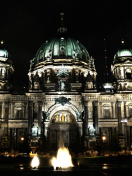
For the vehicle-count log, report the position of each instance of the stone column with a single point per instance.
(73, 77)
(124, 73)
(26, 113)
(48, 76)
(128, 137)
(15, 138)
(77, 75)
(94, 78)
(125, 110)
(95, 117)
(12, 111)
(30, 117)
(90, 110)
(43, 128)
(40, 119)
(114, 110)
(9, 111)
(119, 119)
(85, 124)
(118, 71)
(3, 110)
(6, 118)
(10, 134)
(80, 128)
(103, 112)
(51, 76)
(111, 107)
(99, 109)
(44, 118)
(46, 128)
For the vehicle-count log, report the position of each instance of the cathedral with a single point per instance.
(63, 98)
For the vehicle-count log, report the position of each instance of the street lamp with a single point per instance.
(125, 122)
(104, 139)
(22, 138)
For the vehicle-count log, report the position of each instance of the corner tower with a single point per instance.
(122, 70)
(6, 70)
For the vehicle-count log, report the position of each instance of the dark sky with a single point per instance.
(26, 25)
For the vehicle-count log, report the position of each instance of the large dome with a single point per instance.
(62, 64)
(63, 47)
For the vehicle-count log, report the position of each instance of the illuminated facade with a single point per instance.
(63, 97)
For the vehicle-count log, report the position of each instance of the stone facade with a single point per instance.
(63, 97)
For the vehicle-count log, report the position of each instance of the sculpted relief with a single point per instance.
(63, 117)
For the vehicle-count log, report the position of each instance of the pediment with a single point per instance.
(128, 61)
(19, 106)
(130, 120)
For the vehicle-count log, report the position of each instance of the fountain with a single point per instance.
(63, 159)
(35, 162)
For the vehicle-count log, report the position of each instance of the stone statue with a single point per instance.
(62, 100)
(49, 55)
(91, 130)
(62, 85)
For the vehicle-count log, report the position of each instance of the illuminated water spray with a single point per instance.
(35, 162)
(63, 159)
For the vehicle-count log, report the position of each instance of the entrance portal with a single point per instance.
(63, 121)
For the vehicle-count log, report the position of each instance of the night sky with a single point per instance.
(26, 25)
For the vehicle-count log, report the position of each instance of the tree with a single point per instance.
(98, 147)
(24, 146)
(4, 143)
(115, 144)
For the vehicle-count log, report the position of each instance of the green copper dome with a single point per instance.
(4, 55)
(61, 47)
(123, 53)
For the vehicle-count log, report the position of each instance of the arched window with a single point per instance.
(41, 55)
(107, 113)
(128, 74)
(19, 114)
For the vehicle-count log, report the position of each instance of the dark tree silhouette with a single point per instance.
(115, 144)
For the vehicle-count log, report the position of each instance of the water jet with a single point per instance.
(63, 160)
